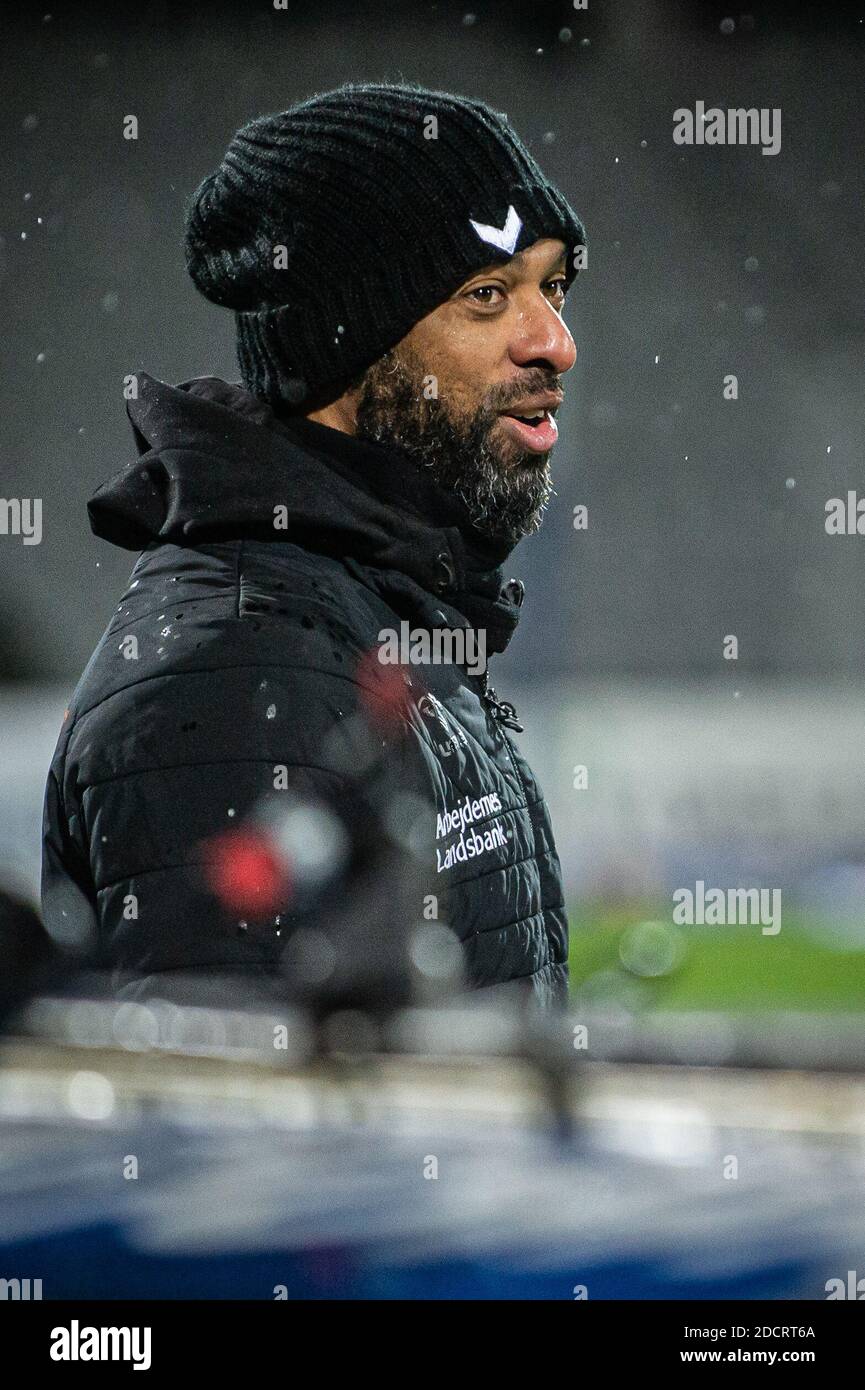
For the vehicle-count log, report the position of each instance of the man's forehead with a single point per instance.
(547, 253)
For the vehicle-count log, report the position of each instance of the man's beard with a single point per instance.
(504, 489)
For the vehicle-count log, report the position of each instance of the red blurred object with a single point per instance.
(385, 692)
(246, 873)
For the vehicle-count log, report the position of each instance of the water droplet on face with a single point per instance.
(231, 810)
(271, 711)
(791, 482)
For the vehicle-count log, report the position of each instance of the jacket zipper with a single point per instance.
(505, 713)
(503, 710)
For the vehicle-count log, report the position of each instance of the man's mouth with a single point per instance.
(536, 430)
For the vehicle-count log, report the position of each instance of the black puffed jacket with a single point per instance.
(250, 643)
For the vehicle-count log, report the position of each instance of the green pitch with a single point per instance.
(633, 953)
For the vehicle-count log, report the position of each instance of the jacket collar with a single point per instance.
(214, 461)
(452, 560)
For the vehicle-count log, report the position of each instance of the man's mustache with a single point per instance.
(528, 386)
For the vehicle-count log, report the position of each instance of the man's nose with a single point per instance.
(541, 336)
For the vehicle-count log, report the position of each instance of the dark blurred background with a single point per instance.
(712, 259)
(706, 516)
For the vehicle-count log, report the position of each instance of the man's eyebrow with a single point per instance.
(560, 259)
(518, 261)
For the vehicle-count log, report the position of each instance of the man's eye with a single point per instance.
(480, 290)
(483, 294)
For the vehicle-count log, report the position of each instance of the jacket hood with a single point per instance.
(214, 462)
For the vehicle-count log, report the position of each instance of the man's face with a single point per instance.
(450, 392)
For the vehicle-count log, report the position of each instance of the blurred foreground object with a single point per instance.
(30, 961)
(163, 1151)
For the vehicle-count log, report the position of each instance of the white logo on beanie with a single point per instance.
(504, 237)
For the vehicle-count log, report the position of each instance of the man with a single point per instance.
(397, 263)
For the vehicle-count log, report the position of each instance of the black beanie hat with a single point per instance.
(332, 228)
